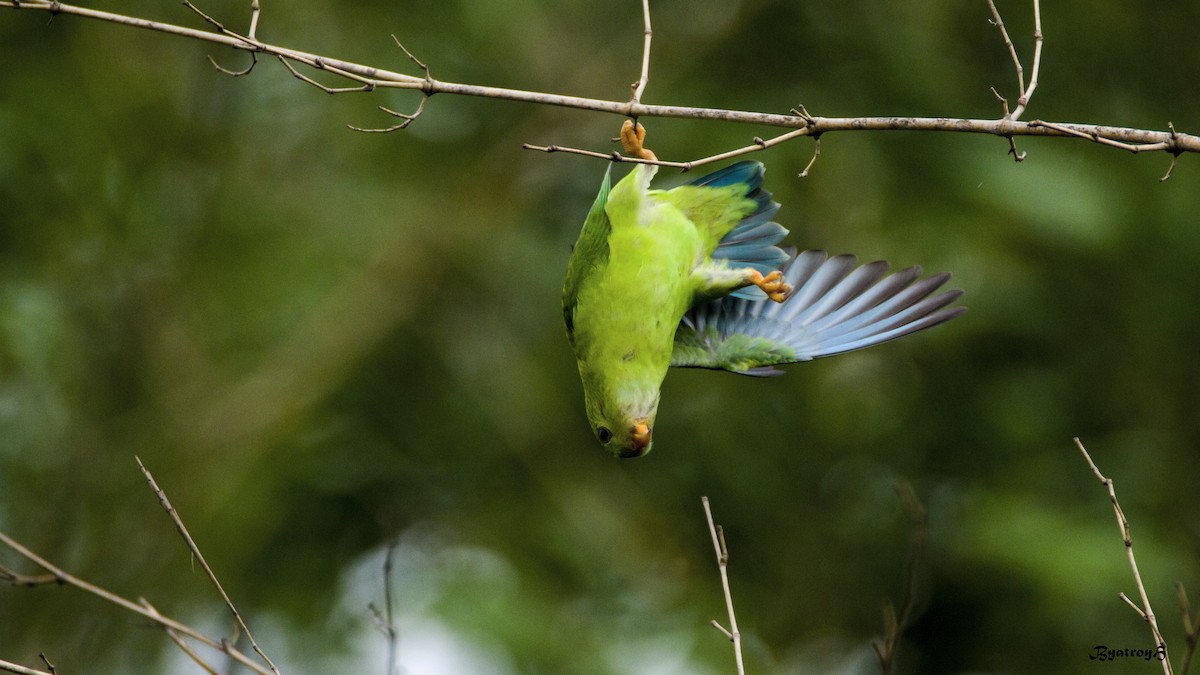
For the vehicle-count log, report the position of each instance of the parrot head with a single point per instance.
(622, 419)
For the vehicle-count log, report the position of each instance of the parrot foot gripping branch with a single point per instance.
(694, 277)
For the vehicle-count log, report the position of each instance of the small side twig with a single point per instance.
(722, 552)
(757, 145)
(191, 544)
(249, 40)
(426, 91)
(1144, 610)
(1023, 94)
(639, 87)
(408, 119)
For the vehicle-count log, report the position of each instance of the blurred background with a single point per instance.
(322, 342)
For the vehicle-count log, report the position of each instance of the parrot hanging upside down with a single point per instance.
(692, 277)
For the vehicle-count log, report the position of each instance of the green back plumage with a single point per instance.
(730, 207)
(589, 254)
(715, 211)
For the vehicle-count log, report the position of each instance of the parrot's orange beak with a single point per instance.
(640, 439)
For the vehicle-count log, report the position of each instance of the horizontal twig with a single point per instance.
(1171, 142)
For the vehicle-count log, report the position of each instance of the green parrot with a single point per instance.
(692, 277)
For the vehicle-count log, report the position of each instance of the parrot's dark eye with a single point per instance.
(603, 434)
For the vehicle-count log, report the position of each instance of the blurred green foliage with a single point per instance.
(321, 342)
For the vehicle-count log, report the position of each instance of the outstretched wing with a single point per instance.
(833, 308)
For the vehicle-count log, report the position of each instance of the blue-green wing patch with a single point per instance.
(753, 242)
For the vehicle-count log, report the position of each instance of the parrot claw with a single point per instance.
(772, 284)
(633, 135)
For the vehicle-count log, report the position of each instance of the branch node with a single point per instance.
(427, 89)
(722, 553)
(1175, 150)
(802, 113)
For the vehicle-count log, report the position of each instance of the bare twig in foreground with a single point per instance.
(718, 539)
(60, 577)
(1144, 610)
(187, 538)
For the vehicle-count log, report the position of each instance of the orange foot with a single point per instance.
(633, 135)
(773, 284)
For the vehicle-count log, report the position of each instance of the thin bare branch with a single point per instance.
(191, 544)
(722, 552)
(62, 577)
(1023, 94)
(639, 87)
(420, 64)
(1012, 52)
(1147, 139)
(9, 667)
(612, 156)
(1144, 610)
(1038, 41)
(758, 145)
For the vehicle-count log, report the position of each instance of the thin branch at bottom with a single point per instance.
(1146, 613)
(722, 553)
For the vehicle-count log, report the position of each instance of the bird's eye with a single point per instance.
(603, 434)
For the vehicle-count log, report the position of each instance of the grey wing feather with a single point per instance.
(834, 307)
